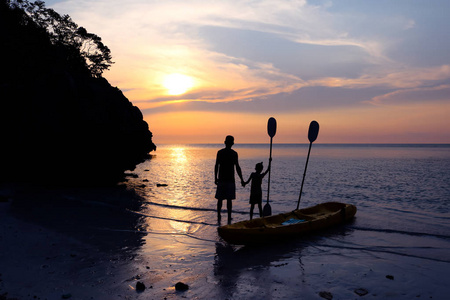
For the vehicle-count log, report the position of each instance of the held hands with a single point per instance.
(216, 181)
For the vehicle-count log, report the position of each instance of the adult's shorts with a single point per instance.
(226, 190)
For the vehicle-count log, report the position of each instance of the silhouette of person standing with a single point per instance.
(256, 191)
(226, 161)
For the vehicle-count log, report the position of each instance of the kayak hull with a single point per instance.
(287, 225)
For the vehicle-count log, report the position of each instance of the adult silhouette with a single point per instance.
(226, 163)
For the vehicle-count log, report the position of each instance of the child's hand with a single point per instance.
(243, 183)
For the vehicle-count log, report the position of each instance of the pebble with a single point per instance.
(361, 292)
(390, 277)
(180, 286)
(140, 287)
(326, 295)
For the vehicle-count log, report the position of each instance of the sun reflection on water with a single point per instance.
(178, 155)
(180, 227)
(180, 169)
(185, 203)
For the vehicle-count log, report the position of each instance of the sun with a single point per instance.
(177, 84)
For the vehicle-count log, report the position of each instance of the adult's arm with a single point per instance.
(216, 169)
(238, 170)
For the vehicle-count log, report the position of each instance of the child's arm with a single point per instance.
(248, 181)
(267, 171)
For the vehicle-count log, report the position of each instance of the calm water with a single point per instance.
(404, 187)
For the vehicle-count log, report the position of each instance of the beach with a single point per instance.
(160, 228)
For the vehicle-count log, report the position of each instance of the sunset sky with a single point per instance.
(375, 71)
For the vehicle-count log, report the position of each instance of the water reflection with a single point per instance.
(178, 168)
(180, 226)
(178, 155)
(243, 268)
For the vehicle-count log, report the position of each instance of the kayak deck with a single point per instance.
(287, 225)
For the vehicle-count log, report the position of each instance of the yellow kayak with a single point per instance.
(287, 225)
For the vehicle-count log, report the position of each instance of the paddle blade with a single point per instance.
(313, 131)
(272, 127)
(267, 210)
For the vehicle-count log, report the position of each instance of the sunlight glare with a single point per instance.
(179, 156)
(177, 84)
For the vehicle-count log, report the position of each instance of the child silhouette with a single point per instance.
(255, 190)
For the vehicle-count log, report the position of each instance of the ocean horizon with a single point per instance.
(306, 145)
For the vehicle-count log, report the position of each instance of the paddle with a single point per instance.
(312, 136)
(271, 130)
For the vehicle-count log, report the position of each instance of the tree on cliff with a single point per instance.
(60, 120)
(62, 31)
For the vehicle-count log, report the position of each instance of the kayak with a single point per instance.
(292, 224)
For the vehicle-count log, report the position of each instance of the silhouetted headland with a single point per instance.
(61, 121)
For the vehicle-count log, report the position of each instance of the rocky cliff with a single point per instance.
(58, 123)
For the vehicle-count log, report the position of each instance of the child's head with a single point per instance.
(259, 167)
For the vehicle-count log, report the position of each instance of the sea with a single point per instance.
(161, 223)
(402, 226)
(404, 188)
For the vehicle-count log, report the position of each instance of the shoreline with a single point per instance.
(46, 255)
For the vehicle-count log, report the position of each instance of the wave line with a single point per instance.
(169, 219)
(159, 233)
(401, 232)
(192, 208)
(384, 251)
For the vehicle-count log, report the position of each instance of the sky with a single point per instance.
(374, 71)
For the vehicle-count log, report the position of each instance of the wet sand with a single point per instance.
(61, 250)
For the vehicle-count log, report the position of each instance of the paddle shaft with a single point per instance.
(304, 174)
(270, 163)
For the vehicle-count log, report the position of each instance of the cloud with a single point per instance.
(408, 78)
(149, 38)
(414, 95)
(249, 50)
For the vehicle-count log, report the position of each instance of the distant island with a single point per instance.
(61, 121)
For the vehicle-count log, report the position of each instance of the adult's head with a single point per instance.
(229, 141)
